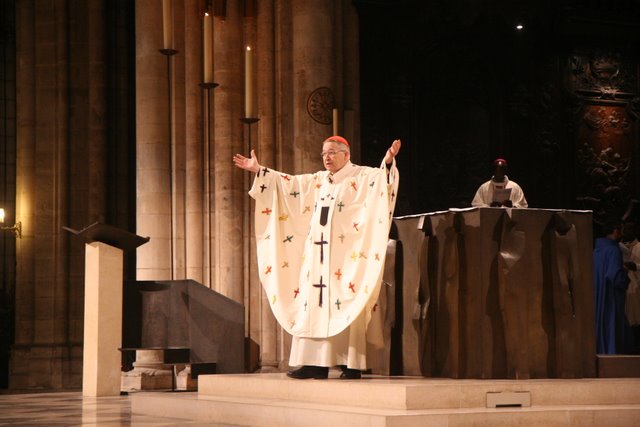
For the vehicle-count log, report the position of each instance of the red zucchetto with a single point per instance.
(338, 139)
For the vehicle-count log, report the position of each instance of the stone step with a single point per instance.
(238, 411)
(412, 393)
(275, 400)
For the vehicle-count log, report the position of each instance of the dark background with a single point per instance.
(461, 86)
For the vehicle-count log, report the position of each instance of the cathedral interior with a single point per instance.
(107, 116)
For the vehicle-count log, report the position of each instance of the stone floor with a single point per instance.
(72, 409)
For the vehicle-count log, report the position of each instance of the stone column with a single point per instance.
(194, 103)
(227, 180)
(148, 373)
(263, 327)
(41, 341)
(154, 181)
(313, 67)
(61, 181)
(349, 99)
(156, 211)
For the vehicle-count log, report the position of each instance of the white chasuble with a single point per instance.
(321, 244)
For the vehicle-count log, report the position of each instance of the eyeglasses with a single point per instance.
(331, 153)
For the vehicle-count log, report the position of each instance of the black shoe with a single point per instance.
(350, 374)
(315, 372)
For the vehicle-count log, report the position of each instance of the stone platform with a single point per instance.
(275, 400)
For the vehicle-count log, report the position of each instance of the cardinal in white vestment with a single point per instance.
(322, 241)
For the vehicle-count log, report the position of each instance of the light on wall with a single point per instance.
(16, 228)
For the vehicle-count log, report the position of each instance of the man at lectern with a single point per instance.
(499, 190)
(322, 240)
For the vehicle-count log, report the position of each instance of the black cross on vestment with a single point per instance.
(320, 286)
(322, 242)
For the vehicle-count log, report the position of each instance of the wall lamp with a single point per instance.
(16, 228)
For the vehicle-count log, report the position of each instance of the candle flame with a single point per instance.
(248, 47)
(206, 14)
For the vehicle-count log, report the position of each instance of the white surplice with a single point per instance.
(484, 195)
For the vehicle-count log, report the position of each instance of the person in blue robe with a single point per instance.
(610, 281)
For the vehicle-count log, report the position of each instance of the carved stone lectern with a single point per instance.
(104, 248)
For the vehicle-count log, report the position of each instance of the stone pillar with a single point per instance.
(313, 67)
(225, 179)
(154, 179)
(263, 327)
(194, 131)
(156, 148)
(349, 99)
(179, 87)
(148, 373)
(61, 143)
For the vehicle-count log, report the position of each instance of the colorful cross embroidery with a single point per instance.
(292, 323)
(286, 177)
(283, 217)
(265, 171)
(354, 256)
(377, 256)
(268, 270)
(296, 292)
(288, 239)
(340, 206)
(352, 286)
(268, 237)
(338, 303)
(320, 286)
(294, 194)
(322, 242)
(354, 185)
(267, 211)
(341, 237)
(318, 185)
(355, 225)
(362, 255)
(273, 300)
(338, 274)
(262, 188)
(307, 209)
(285, 264)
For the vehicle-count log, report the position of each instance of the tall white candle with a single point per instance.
(207, 46)
(248, 82)
(167, 24)
(335, 122)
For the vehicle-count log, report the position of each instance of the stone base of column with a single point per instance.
(148, 373)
